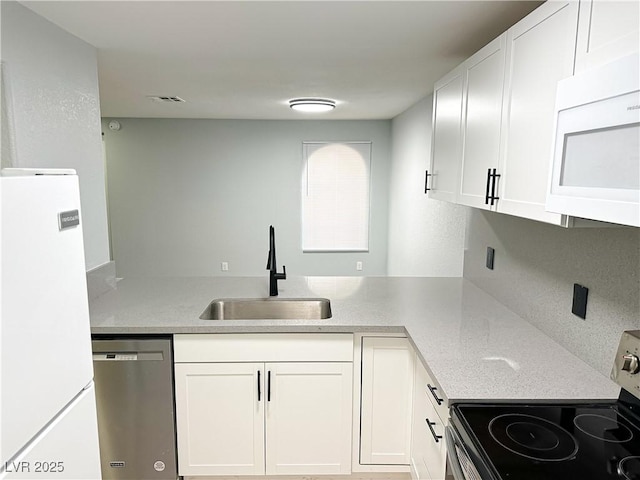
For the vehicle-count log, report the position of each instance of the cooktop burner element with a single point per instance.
(603, 428)
(533, 437)
(629, 468)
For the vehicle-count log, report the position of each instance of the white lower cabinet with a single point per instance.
(220, 422)
(256, 418)
(428, 449)
(386, 398)
(308, 418)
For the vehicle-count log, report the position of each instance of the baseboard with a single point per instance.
(353, 476)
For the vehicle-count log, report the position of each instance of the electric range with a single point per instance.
(533, 441)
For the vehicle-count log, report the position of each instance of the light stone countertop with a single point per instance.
(475, 348)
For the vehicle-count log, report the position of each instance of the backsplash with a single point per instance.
(536, 266)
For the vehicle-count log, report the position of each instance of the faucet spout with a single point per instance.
(274, 276)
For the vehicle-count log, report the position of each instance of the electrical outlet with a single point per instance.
(490, 254)
(579, 306)
(224, 266)
(359, 266)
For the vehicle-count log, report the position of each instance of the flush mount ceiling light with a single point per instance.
(314, 105)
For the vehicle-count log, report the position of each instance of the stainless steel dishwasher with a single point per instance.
(135, 401)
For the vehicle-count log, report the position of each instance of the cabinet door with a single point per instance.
(540, 51)
(220, 420)
(387, 390)
(484, 82)
(607, 29)
(446, 141)
(308, 418)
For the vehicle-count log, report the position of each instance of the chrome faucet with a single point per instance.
(274, 276)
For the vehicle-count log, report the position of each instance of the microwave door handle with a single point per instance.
(458, 474)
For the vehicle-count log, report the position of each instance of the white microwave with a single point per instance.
(596, 156)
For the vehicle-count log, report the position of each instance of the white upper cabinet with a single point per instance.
(540, 52)
(608, 29)
(446, 143)
(508, 106)
(484, 82)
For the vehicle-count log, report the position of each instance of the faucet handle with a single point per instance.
(283, 275)
(269, 260)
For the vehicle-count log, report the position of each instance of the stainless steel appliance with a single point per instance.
(135, 401)
(597, 441)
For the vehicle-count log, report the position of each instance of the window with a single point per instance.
(335, 197)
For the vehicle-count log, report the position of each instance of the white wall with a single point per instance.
(54, 116)
(426, 237)
(186, 195)
(536, 266)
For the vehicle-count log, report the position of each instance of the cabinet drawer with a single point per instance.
(263, 347)
(425, 383)
(434, 443)
(428, 450)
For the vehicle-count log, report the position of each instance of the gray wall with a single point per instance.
(426, 237)
(536, 266)
(186, 195)
(51, 112)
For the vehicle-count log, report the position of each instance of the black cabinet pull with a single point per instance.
(426, 180)
(493, 186)
(486, 195)
(258, 385)
(268, 385)
(435, 395)
(437, 438)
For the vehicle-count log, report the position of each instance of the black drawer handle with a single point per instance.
(437, 438)
(435, 395)
(258, 385)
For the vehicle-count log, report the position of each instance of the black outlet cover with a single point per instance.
(580, 294)
(490, 254)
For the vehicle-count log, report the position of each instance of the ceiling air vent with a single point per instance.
(166, 98)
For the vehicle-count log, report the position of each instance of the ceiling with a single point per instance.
(246, 59)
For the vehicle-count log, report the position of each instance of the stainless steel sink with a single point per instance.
(268, 309)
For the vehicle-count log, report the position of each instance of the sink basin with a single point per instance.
(268, 309)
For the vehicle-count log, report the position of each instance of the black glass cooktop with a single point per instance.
(533, 442)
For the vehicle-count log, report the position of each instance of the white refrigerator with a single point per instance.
(48, 423)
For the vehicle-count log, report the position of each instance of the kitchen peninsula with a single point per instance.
(474, 347)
